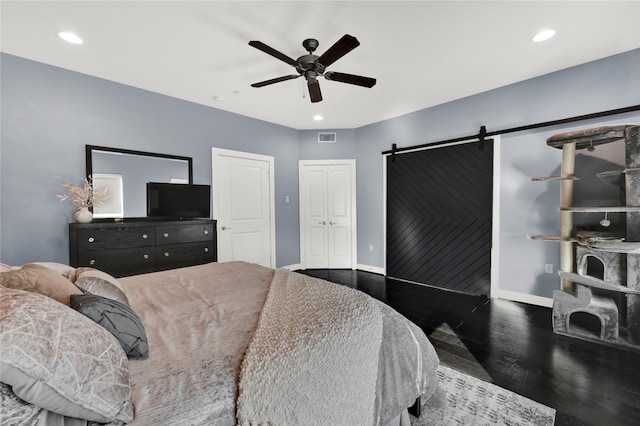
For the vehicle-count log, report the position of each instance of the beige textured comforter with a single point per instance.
(199, 322)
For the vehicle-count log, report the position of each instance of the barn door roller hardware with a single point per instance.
(484, 134)
(481, 136)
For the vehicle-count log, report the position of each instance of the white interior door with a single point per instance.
(327, 211)
(339, 206)
(243, 205)
(316, 249)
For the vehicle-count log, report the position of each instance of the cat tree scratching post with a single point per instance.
(632, 192)
(599, 292)
(566, 217)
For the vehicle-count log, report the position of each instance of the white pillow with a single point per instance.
(100, 283)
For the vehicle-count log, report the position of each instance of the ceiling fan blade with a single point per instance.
(343, 46)
(273, 52)
(358, 80)
(314, 91)
(275, 80)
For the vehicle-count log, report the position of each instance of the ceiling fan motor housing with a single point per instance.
(309, 63)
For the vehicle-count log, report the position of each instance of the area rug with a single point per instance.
(464, 400)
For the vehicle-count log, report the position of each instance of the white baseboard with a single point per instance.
(547, 302)
(293, 267)
(375, 269)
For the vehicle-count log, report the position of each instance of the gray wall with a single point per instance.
(344, 148)
(49, 114)
(609, 83)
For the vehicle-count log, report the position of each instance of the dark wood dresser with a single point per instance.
(139, 246)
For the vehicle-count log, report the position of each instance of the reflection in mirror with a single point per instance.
(112, 206)
(125, 173)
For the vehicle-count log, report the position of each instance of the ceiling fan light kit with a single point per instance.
(311, 66)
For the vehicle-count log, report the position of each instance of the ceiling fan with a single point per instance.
(311, 66)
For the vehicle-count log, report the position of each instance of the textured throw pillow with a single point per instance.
(15, 411)
(101, 284)
(57, 359)
(69, 272)
(117, 318)
(42, 280)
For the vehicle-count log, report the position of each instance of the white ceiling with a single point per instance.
(423, 53)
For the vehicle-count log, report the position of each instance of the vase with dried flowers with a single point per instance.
(83, 196)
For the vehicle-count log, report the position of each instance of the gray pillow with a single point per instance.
(117, 318)
(59, 360)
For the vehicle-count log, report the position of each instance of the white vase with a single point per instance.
(83, 215)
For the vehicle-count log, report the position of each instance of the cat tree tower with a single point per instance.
(610, 293)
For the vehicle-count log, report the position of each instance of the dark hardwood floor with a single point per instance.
(512, 345)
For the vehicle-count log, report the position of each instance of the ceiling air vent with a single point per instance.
(326, 137)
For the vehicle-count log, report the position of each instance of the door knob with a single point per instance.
(224, 228)
(322, 223)
(333, 223)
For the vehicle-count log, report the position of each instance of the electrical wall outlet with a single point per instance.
(548, 268)
(370, 247)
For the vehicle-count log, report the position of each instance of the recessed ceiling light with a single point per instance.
(318, 117)
(70, 37)
(544, 35)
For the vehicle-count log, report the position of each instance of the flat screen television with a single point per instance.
(178, 201)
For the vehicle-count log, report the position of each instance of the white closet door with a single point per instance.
(315, 216)
(339, 216)
(327, 214)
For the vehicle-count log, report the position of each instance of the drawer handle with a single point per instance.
(165, 235)
(146, 256)
(206, 232)
(206, 249)
(92, 262)
(145, 236)
(166, 254)
(91, 239)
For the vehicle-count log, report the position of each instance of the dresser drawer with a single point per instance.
(173, 234)
(180, 253)
(120, 262)
(115, 238)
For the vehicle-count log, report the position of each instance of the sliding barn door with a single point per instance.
(439, 214)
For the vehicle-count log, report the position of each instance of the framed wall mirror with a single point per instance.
(126, 172)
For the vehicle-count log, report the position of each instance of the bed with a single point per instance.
(214, 344)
